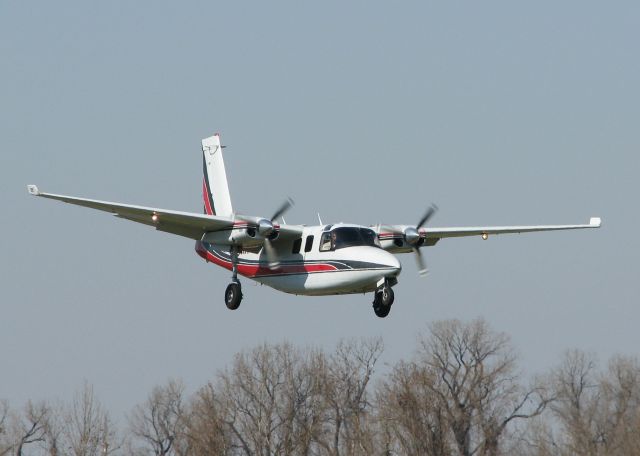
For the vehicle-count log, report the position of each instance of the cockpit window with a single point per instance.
(325, 242)
(340, 238)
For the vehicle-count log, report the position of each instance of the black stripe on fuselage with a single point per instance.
(341, 265)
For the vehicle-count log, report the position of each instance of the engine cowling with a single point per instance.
(413, 237)
(249, 235)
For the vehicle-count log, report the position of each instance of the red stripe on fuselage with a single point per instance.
(421, 231)
(261, 270)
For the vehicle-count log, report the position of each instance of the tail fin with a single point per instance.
(215, 189)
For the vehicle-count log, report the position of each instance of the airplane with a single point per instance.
(333, 259)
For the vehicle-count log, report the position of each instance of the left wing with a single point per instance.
(404, 238)
(430, 233)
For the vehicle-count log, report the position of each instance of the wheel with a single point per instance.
(233, 296)
(386, 296)
(379, 308)
(381, 311)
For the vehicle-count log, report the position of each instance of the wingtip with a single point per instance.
(595, 222)
(33, 189)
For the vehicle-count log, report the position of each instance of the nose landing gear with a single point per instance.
(233, 293)
(382, 301)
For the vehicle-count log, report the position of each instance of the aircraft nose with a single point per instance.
(393, 263)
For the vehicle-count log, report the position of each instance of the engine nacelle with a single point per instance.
(403, 238)
(247, 235)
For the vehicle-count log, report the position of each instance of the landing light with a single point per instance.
(154, 217)
(485, 236)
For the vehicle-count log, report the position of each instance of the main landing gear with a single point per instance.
(382, 300)
(233, 293)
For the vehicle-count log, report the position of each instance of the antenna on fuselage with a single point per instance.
(319, 219)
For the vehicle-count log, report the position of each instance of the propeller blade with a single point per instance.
(282, 209)
(427, 215)
(270, 253)
(422, 267)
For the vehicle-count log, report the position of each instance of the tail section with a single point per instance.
(215, 189)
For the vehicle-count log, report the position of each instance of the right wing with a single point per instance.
(185, 224)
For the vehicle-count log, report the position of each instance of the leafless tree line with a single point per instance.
(82, 428)
(460, 394)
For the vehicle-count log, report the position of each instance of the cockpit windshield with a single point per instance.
(342, 237)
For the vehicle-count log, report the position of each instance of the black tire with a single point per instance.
(233, 296)
(381, 311)
(378, 307)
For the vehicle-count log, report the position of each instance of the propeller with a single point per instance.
(270, 253)
(427, 215)
(282, 209)
(413, 238)
(267, 228)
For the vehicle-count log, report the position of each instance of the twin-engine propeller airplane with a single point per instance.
(305, 260)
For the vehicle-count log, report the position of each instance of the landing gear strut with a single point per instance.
(233, 293)
(382, 301)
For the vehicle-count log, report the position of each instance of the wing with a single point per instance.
(431, 233)
(405, 238)
(185, 224)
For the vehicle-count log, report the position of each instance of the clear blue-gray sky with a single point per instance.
(501, 112)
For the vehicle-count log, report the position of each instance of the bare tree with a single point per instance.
(304, 404)
(206, 431)
(277, 400)
(345, 386)
(159, 421)
(262, 400)
(621, 390)
(53, 430)
(89, 430)
(597, 413)
(29, 426)
(578, 401)
(412, 415)
(471, 372)
(6, 444)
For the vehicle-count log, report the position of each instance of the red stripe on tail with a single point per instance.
(205, 196)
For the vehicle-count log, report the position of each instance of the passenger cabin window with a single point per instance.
(296, 245)
(343, 237)
(308, 244)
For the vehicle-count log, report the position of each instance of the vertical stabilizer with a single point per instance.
(215, 189)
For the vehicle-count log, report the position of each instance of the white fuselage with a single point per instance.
(304, 269)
